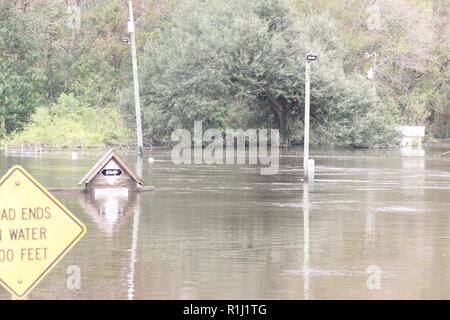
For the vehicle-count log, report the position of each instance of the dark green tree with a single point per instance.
(236, 64)
(21, 75)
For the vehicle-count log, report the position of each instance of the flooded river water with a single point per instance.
(226, 232)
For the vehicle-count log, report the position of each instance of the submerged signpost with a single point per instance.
(36, 232)
(306, 163)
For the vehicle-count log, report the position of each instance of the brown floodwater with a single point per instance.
(226, 232)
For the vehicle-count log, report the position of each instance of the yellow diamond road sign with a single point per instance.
(36, 232)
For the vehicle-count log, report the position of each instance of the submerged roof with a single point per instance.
(108, 156)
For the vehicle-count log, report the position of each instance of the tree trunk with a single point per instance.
(282, 114)
(285, 131)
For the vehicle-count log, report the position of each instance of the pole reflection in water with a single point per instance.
(134, 243)
(306, 250)
(370, 214)
(135, 236)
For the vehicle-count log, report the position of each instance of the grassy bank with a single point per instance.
(70, 124)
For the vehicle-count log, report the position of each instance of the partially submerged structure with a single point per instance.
(111, 174)
(412, 136)
(411, 143)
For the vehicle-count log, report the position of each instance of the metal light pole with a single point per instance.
(309, 57)
(137, 102)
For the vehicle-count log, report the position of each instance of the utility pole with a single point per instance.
(137, 101)
(309, 57)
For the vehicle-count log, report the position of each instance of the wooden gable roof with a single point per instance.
(108, 156)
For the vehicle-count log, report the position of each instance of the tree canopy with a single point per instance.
(232, 64)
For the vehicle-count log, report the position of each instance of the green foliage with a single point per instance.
(99, 56)
(20, 74)
(70, 123)
(41, 58)
(232, 64)
(408, 52)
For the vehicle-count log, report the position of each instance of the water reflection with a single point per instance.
(134, 237)
(306, 250)
(226, 232)
(109, 210)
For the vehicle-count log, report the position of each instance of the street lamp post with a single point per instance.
(309, 58)
(137, 102)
